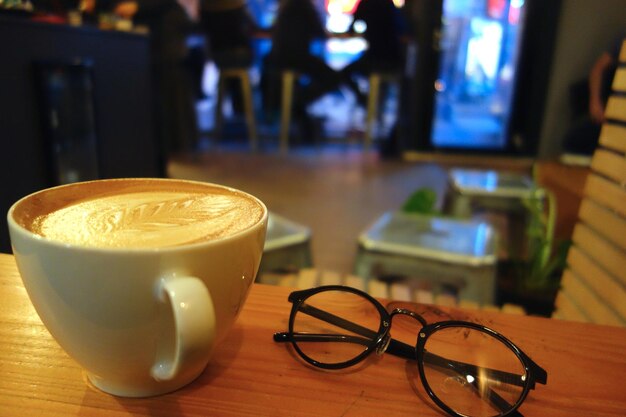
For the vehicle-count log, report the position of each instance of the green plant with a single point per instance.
(545, 258)
(422, 201)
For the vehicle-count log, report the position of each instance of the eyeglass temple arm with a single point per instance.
(319, 338)
(333, 319)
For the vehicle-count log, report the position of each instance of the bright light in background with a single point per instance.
(360, 26)
(350, 46)
(340, 15)
(342, 51)
(483, 48)
(515, 11)
(491, 180)
(341, 6)
(480, 46)
(334, 8)
(348, 6)
(338, 23)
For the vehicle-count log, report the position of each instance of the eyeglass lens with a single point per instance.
(342, 342)
(481, 376)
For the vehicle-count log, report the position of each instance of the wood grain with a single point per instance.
(250, 375)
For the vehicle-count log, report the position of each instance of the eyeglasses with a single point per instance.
(466, 368)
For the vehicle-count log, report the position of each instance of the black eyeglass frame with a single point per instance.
(381, 342)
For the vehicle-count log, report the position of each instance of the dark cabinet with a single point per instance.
(75, 104)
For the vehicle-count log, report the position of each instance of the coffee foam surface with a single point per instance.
(148, 218)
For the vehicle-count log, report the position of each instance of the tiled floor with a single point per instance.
(335, 190)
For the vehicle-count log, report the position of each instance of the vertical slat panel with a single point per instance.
(608, 256)
(593, 287)
(622, 53)
(567, 310)
(616, 108)
(606, 193)
(613, 136)
(619, 81)
(587, 301)
(601, 282)
(609, 164)
(605, 222)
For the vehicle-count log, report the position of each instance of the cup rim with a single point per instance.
(13, 224)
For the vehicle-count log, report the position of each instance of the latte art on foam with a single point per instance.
(149, 219)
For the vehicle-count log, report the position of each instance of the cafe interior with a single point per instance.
(447, 180)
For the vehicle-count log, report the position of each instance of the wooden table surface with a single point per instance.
(250, 375)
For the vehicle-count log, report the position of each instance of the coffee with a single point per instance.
(138, 213)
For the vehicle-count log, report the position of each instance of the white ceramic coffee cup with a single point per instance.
(141, 322)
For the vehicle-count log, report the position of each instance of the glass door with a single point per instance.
(479, 49)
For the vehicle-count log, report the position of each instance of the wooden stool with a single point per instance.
(375, 80)
(288, 80)
(246, 88)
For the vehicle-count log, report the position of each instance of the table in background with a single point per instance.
(567, 182)
(501, 193)
(287, 245)
(440, 254)
(252, 375)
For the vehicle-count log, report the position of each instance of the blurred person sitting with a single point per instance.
(229, 28)
(297, 25)
(582, 138)
(382, 25)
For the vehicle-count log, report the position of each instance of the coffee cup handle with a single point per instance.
(194, 326)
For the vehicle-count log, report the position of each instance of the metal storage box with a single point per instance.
(489, 189)
(287, 246)
(504, 196)
(444, 253)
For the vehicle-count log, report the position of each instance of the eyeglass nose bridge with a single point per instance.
(386, 340)
(405, 312)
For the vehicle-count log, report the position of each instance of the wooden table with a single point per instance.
(250, 375)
